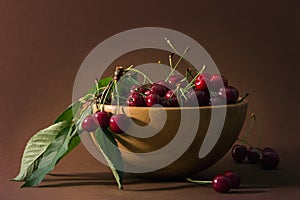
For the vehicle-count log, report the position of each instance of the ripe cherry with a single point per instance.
(221, 183)
(135, 99)
(89, 124)
(253, 155)
(269, 159)
(153, 99)
(138, 89)
(234, 178)
(218, 81)
(159, 89)
(169, 94)
(268, 149)
(177, 80)
(231, 94)
(102, 119)
(197, 98)
(165, 84)
(147, 92)
(217, 100)
(119, 123)
(165, 102)
(239, 153)
(201, 80)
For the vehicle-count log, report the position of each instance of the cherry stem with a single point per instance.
(144, 75)
(245, 142)
(176, 65)
(105, 93)
(260, 134)
(173, 48)
(253, 118)
(190, 85)
(117, 94)
(170, 60)
(198, 181)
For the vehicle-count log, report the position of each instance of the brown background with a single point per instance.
(42, 44)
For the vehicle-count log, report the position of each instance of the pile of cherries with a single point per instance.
(206, 90)
(116, 123)
(267, 157)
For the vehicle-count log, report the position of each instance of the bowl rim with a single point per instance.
(240, 103)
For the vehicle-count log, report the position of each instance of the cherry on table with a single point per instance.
(269, 159)
(239, 153)
(221, 183)
(268, 149)
(102, 119)
(253, 155)
(89, 124)
(119, 123)
(234, 178)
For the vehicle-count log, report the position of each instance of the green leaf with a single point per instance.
(67, 115)
(35, 148)
(51, 156)
(101, 83)
(111, 155)
(74, 142)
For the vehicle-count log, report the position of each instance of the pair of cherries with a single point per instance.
(101, 119)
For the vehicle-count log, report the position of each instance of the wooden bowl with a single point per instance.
(188, 162)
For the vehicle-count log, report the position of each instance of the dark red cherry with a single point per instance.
(165, 84)
(217, 100)
(269, 159)
(159, 89)
(202, 97)
(174, 101)
(153, 99)
(201, 80)
(234, 178)
(221, 183)
(197, 98)
(169, 94)
(165, 102)
(89, 124)
(218, 81)
(253, 155)
(231, 94)
(147, 92)
(119, 123)
(268, 149)
(138, 89)
(135, 99)
(102, 119)
(239, 153)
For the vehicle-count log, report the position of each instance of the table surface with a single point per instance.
(80, 176)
